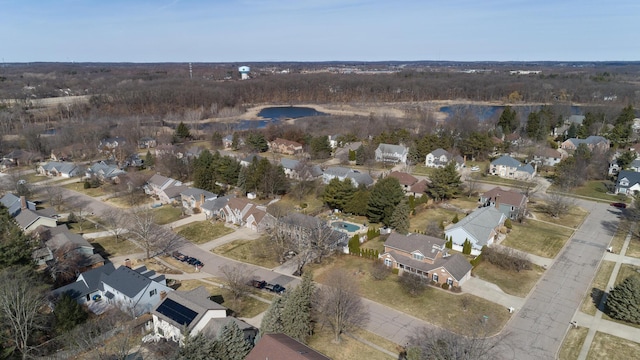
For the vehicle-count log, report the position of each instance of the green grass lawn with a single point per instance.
(203, 231)
(605, 346)
(376, 243)
(425, 215)
(167, 214)
(247, 307)
(79, 187)
(573, 218)
(594, 189)
(108, 246)
(511, 282)
(626, 270)
(34, 178)
(572, 343)
(465, 202)
(461, 313)
(257, 252)
(348, 349)
(633, 250)
(600, 283)
(538, 238)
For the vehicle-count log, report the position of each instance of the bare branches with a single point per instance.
(237, 279)
(442, 344)
(558, 205)
(154, 239)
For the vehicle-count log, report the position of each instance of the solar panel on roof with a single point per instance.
(177, 312)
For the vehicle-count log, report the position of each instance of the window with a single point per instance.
(450, 281)
(418, 256)
(435, 277)
(388, 262)
(153, 292)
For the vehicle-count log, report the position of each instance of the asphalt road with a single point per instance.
(538, 329)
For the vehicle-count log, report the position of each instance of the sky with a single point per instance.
(318, 30)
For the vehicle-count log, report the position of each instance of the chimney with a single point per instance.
(23, 203)
(497, 201)
(127, 263)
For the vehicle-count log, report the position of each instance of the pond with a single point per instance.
(341, 225)
(269, 115)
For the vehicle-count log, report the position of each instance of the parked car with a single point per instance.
(278, 289)
(178, 256)
(258, 284)
(620, 205)
(475, 168)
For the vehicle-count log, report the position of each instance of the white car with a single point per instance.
(475, 168)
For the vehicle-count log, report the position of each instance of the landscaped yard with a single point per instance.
(605, 346)
(376, 243)
(573, 218)
(633, 249)
(124, 201)
(573, 343)
(348, 349)
(257, 252)
(597, 189)
(82, 226)
(600, 283)
(626, 270)
(424, 216)
(108, 246)
(461, 313)
(308, 205)
(247, 307)
(79, 187)
(203, 231)
(538, 238)
(167, 214)
(513, 283)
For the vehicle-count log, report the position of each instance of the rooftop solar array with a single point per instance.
(177, 312)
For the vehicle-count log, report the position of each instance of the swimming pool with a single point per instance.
(341, 225)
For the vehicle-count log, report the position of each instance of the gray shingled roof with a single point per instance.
(174, 191)
(195, 192)
(87, 283)
(290, 164)
(217, 204)
(127, 281)
(507, 160)
(632, 176)
(390, 148)
(197, 300)
(480, 223)
(428, 246)
(457, 265)
(26, 218)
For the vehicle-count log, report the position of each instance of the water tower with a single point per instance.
(244, 72)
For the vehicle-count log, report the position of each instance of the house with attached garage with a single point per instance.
(593, 142)
(59, 169)
(547, 156)
(62, 243)
(439, 158)
(481, 227)
(284, 146)
(410, 184)
(357, 178)
(105, 172)
(242, 212)
(511, 203)
(297, 170)
(29, 220)
(158, 183)
(212, 208)
(391, 153)
(135, 291)
(510, 168)
(15, 204)
(193, 199)
(427, 257)
(628, 182)
(195, 313)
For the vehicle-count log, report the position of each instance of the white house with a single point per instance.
(628, 182)
(61, 169)
(481, 228)
(391, 153)
(336, 172)
(439, 158)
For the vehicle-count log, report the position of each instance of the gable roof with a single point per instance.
(457, 265)
(290, 164)
(216, 204)
(548, 153)
(591, 140)
(195, 192)
(404, 178)
(161, 181)
(87, 282)
(439, 152)
(285, 142)
(186, 308)
(480, 224)
(391, 149)
(631, 176)
(508, 197)
(281, 346)
(28, 217)
(130, 282)
(428, 246)
(506, 160)
(174, 191)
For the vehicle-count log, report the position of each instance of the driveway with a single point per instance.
(537, 330)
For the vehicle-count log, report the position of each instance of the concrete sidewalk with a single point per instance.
(187, 220)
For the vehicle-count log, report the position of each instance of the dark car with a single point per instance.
(278, 289)
(258, 284)
(620, 205)
(178, 256)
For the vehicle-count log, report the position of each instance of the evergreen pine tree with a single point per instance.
(149, 159)
(385, 196)
(68, 313)
(272, 320)
(198, 347)
(296, 313)
(182, 132)
(623, 302)
(400, 218)
(449, 243)
(231, 343)
(466, 247)
(455, 219)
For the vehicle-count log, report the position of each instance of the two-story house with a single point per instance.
(425, 256)
(284, 146)
(105, 172)
(147, 143)
(510, 168)
(242, 212)
(29, 220)
(481, 228)
(593, 143)
(296, 170)
(15, 204)
(547, 156)
(628, 182)
(62, 241)
(391, 153)
(511, 203)
(337, 172)
(439, 158)
(192, 199)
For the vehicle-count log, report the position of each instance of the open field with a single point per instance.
(572, 344)
(600, 283)
(513, 283)
(538, 238)
(460, 313)
(254, 252)
(203, 231)
(605, 346)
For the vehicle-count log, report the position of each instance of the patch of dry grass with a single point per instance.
(425, 215)
(246, 307)
(376, 243)
(605, 346)
(599, 282)
(572, 343)
(347, 349)
(203, 231)
(573, 218)
(538, 238)
(633, 250)
(256, 252)
(109, 246)
(513, 283)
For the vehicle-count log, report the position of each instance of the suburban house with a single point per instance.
(575, 119)
(333, 141)
(134, 291)
(439, 158)
(249, 159)
(15, 204)
(61, 169)
(192, 199)
(510, 168)
(147, 143)
(60, 239)
(20, 157)
(481, 228)
(410, 183)
(28, 220)
(357, 178)
(105, 172)
(109, 145)
(294, 169)
(592, 142)
(427, 257)
(305, 228)
(194, 312)
(284, 146)
(167, 190)
(391, 153)
(281, 346)
(242, 212)
(73, 151)
(628, 182)
(511, 203)
(212, 208)
(547, 156)
(227, 141)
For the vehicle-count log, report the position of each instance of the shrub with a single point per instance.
(623, 302)
(445, 286)
(197, 210)
(412, 284)
(456, 289)
(507, 258)
(455, 219)
(395, 271)
(87, 184)
(380, 271)
(508, 224)
(478, 259)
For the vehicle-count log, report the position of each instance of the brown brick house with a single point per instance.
(284, 146)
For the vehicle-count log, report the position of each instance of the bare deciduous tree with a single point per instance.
(66, 264)
(154, 239)
(54, 196)
(115, 221)
(237, 279)
(436, 343)
(340, 305)
(558, 204)
(472, 184)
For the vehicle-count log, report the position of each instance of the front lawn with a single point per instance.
(598, 189)
(203, 231)
(79, 187)
(572, 343)
(597, 288)
(626, 270)
(633, 250)
(256, 252)
(167, 214)
(573, 218)
(461, 313)
(246, 307)
(425, 215)
(538, 238)
(348, 349)
(108, 246)
(605, 346)
(619, 237)
(511, 282)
